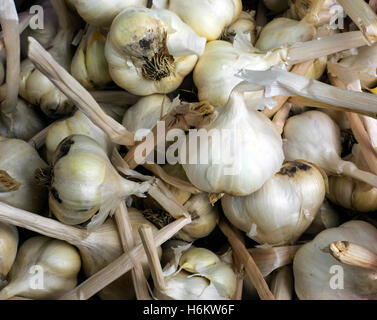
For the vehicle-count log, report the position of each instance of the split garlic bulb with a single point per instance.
(79, 123)
(89, 65)
(151, 50)
(207, 18)
(83, 182)
(244, 24)
(8, 250)
(18, 162)
(298, 189)
(276, 6)
(204, 218)
(319, 276)
(102, 12)
(213, 280)
(45, 268)
(250, 146)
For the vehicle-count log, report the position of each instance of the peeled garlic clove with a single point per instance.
(18, 188)
(299, 190)
(319, 276)
(151, 51)
(252, 146)
(327, 217)
(45, 268)
(102, 12)
(8, 249)
(204, 218)
(244, 24)
(84, 182)
(276, 6)
(195, 259)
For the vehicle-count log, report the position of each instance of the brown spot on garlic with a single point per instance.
(7, 183)
(64, 148)
(290, 168)
(55, 194)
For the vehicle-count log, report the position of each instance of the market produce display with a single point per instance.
(188, 150)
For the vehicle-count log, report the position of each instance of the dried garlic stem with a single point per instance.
(121, 265)
(354, 255)
(281, 117)
(282, 284)
(126, 236)
(46, 64)
(363, 16)
(23, 22)
(251, 268)
(149, 245)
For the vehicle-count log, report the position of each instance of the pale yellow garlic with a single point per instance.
(317, 69)
(298, 189)
(244, 24)
(8, 250)
(45, 268)
(18, 187)
(151, 50)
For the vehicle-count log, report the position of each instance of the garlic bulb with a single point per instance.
(299, 190)
(276, 6)
(83, 182)
(213, 280)
(207, 18)
(102, 12)
(313, 136)
(18, 162)
(327, 217)
(89, 65)
(151, 51)
(8, 249)
(251, 151)
(45, 268)
(244, 24)
(79, 123)
(204, 218)
(319, 276)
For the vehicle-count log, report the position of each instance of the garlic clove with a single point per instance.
(8, 250)
(55, 262)
(195, 259)
(244, 24)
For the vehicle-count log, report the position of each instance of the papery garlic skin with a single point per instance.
(214, 74)
(18, 187)
(251, 152)
(244, 24)
(298, 189)
(8, 249)
(58, 261)
(102, 12)
(314, 266)
(204, 218)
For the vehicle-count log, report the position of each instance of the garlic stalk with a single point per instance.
(244, 24)
(300, 190)
(207, 18)
(319, 276)
(8, 250)
(276, 6)
(89, 65)
(55, 263)
(84, 182)
(327, 217)
(250, 146)
(315, 137)
(151, 50)
(102, 12)
(18, 162)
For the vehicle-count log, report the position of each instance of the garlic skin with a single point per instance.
(151, 51)
(79, 123)
(214, 74)
(59, 261)
(18, 188)
(244, 24)
(84, 182)
(204, 215)
(207, 18)
(102, 12)
(312, 265)
(276, 6)
(299, 190)
(253, 148)
(8, 250)
(89, 65)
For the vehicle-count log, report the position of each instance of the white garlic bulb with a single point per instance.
(298, 189)
(319, 276)
(151, 50)
(55, 263)
(276, 6)
(204, 218)
(84, 182)
(102, 12)
(8, 250)
(250, 147)
(313, 136)
(18, 163)
(244, 24)
(207, 18)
